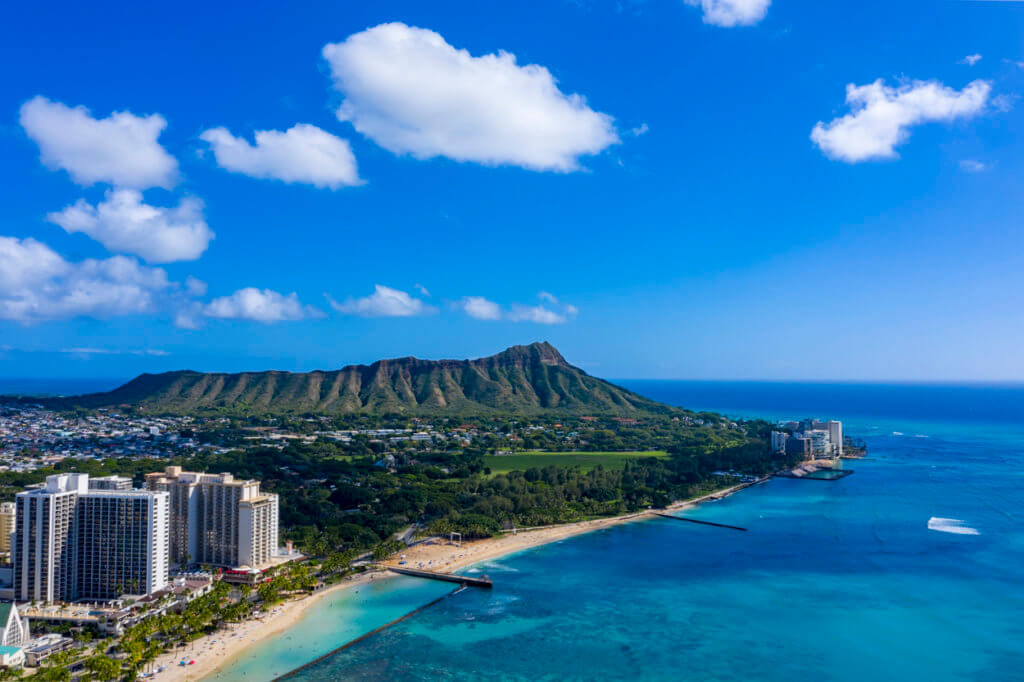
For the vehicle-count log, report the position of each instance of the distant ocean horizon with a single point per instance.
(50, 387)
(979, 403)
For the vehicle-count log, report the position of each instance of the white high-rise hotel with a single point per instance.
(217, 519)
(72, 541)
(77, 538)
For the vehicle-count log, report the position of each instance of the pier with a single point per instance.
(703, 523)
(446, 577)
(820, 475)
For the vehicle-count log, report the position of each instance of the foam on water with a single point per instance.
(956, 526)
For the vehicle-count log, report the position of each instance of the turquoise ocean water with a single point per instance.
(910, 569)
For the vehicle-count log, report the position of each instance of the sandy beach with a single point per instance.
(215, 651)
(446, 557)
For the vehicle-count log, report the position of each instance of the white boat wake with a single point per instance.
(956, 526)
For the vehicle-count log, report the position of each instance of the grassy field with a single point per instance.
(502, 464)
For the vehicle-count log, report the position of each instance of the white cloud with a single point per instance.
(37, 284)
(189, 316)
(121, 149)
(972, 166)
(642, 129)
(535, 313)
(970, 60)
(1003, 102)
(730, 13)
(110, 351)
(303, 153)
(555, 312)
(123, 223)
(479, 308)
(195, 287)
(422, 289)
(411, 92)
(259, 305)
(881, 116)
(383, 302)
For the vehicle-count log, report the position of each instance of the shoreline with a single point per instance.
(224, 647)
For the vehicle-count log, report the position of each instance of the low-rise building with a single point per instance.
(12, 657)
(44, 646)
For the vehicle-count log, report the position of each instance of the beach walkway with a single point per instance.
(436, 575)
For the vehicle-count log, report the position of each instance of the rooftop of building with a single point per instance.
(176, 474)
(259, 499)
(92, 492)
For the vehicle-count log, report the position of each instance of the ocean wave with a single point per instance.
(956, 526)
(897, 433)
(920, 435)
(495, 566)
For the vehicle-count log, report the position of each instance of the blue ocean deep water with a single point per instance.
(910, 569)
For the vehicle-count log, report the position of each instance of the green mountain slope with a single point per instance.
(521, 379)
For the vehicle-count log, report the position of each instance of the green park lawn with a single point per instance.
(521, 461)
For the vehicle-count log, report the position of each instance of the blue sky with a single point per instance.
(660, 188)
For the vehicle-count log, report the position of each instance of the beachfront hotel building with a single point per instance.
(121, 543)
(835, 435)
(73, 541)
(217, 519)
(811, 438)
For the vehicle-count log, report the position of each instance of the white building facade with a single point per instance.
(217, 519)
(13, 627)
(72, 542)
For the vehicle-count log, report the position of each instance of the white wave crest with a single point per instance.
(956, 526)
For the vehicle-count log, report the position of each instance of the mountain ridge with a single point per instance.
(530, 378)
